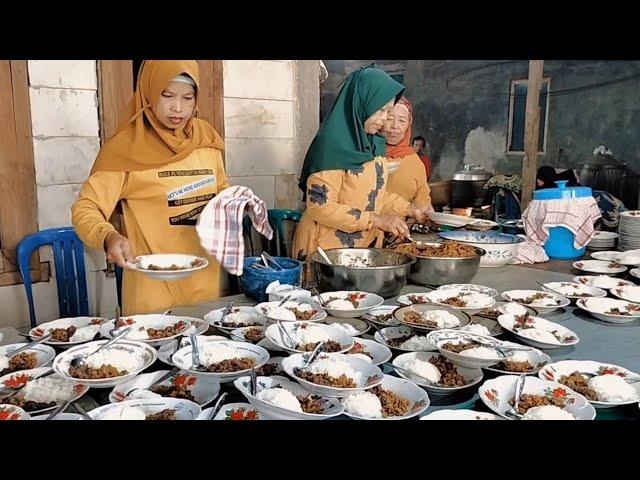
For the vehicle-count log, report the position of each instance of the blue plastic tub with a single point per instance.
(559, 245)
(254, 281)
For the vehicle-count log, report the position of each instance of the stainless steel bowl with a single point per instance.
(372, 270)
(445, 270)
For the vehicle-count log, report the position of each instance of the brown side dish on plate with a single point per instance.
(449, 374)
(630, 310)
(232, 365)
(174, 391)
(516, 367)
(528, 401)
(311, 404)
(29, 405)
(397, 341)
(240, 325)
(105, 371)
(21, 361)
(359, 348)
(63, 334)
(194, 264)
(269, 369)
(302, 315)
(446, 250)
(393, 405)
(417, 299)
(454, 302)
(459, 347)
(166, 414)
(417, 319)
(533, 298)
(253, 335)
(329, 346)
(578, 383)
(323, 379)
(383, 318)
(491, 312)
(170, 331)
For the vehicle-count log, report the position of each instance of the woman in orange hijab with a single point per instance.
(163, 165)
(407, 174)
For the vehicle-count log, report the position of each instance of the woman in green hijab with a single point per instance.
(344, 176)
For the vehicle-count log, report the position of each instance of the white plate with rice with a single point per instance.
(403, 339)
(336, 369)
(242, 316)
(154, 329)
(38, 393)
(606, 390)
(278, 398)
(142, 409)
(124, 355)
(368, 404)
(77, 330)
(221, 355)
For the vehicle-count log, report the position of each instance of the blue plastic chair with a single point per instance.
(68, 257)
(277, 219)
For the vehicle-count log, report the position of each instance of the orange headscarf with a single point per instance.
(142, 142)
(403, 148)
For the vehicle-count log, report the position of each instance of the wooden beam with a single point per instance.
(210, 101)
(116, 90)
(218, 97)
(531, 131)
(18, 198)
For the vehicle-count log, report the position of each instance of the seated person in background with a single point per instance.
(546, 177)
(419, 143)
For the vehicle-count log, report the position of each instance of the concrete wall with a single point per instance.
(271, 115)
(468, 121)
(64, 116)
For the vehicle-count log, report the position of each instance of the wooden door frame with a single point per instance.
(18, 195)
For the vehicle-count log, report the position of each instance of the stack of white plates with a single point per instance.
(629, 230)
(603, 241)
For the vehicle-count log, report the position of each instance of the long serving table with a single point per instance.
(604, 342)
(612, 343)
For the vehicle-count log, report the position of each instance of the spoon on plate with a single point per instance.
(81, 359)
(195, 355)
(316, 351)
(284, 335)
(320, 299)
(217, 406)
(513, 412)
(27, 346)
(409, 374)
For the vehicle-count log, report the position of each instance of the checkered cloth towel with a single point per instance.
(529, 252)
(578, 215)
(220, 226)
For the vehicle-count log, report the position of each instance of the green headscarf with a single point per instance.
(342, 143)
